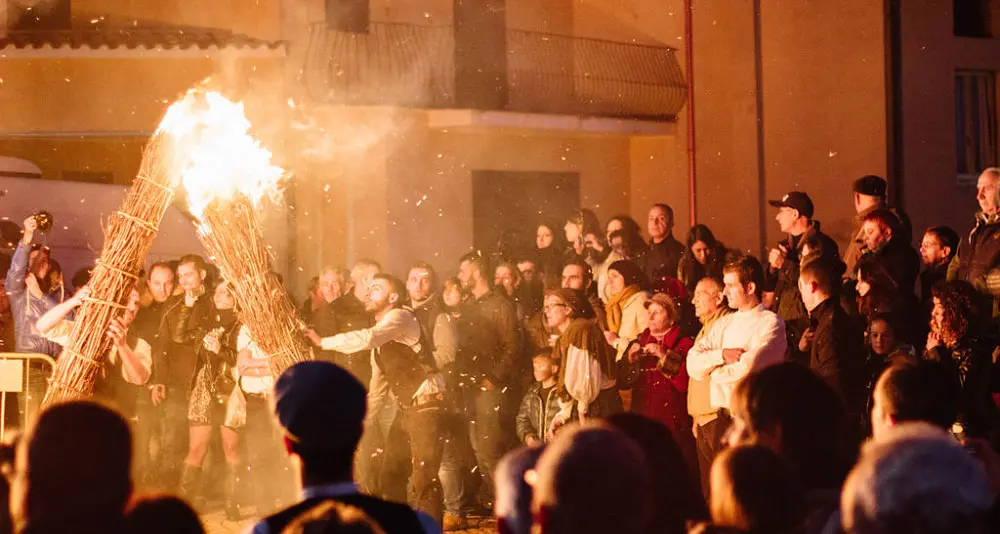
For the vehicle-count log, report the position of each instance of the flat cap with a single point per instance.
(320, 405)
(871, 185)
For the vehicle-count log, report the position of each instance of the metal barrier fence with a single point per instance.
(18, 375)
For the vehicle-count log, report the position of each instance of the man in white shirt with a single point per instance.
(129, 361)
(747, 340)
(403, 371)
(263, 454)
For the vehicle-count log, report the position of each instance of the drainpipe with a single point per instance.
(689, 67)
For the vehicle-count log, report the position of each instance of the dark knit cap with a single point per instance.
(630, 271)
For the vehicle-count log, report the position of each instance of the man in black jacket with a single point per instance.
(492, 366)
(885, 242)
(664, 251)
(148, 426)
(795, 218)
(321, 409)
(937, 249)
(440, 331)
(869, 195)
(349, 314)
(837, 347)
(979, 255)
(175, 362)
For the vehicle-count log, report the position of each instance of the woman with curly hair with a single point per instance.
(956, 338)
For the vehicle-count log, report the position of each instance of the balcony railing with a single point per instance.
(414, 66)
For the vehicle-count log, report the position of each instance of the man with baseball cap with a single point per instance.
(869, 195)
(795, 217)
(320, 407)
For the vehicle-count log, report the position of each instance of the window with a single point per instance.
(975, 122)
(348, 15)
(976, 18)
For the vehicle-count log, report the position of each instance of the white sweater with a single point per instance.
(759, 332)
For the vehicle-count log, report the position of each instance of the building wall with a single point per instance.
(825, 114)
(823, 108)
(727, 187)
(930, 55)
(95, 115)
(407, 193)
(258, 18)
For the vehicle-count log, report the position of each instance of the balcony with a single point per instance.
(415, 66)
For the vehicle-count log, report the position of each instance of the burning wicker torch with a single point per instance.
(226, 173)
(127, 238)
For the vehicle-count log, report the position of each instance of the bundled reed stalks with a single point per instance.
(128, 235)
(231, 233)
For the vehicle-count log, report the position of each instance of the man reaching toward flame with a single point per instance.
(402, 365)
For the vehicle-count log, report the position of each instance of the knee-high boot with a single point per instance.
(188, 489)
(232, 483)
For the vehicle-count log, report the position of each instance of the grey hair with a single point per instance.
(342, 273)
(995, 171)
(513, 493)
(916, 478)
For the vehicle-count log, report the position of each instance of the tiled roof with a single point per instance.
(135, 38)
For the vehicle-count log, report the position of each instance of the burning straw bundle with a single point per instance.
(128, 236)
(230, 231)
(225, 173)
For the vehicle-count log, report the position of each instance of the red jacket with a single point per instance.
(653, 393)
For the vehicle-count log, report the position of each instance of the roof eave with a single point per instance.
(275, 51)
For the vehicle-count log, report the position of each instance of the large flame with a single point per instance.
(214, 153)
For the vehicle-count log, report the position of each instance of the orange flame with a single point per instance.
(215, 154)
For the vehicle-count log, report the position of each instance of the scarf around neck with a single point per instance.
(616, 305)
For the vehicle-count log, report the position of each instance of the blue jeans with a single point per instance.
(455, 462)
(486, 435)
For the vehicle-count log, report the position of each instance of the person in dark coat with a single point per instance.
(540, 404)
(321, 410)
(937, 248)
(795, 211)
(664, 251)
(348, 314)
(704, 257)
(957, 338)
(836, 347)
(549, 250)
(885, 242)
(869, 195)
(979, 255)
(878, 293)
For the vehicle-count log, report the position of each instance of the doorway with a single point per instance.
(509, 206)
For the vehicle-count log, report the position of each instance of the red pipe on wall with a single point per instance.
(689, 66)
